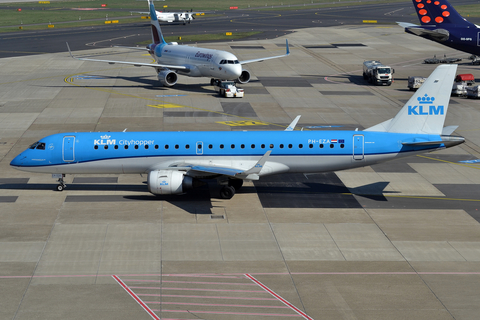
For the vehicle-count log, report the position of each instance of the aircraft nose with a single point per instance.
(18, 160)
(234, 71)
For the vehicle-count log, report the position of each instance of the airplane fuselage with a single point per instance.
(200, 62)
(142, 152)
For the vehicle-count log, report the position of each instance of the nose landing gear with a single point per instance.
(61, 184)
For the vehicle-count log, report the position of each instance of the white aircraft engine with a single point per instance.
(167, 78)
(244, 76)
(168, 182)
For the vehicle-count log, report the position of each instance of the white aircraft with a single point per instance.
(173, 59)
(185, 17)
(175, 161)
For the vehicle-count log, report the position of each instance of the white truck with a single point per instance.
(377, 73)
(228, 89)
(461, 83)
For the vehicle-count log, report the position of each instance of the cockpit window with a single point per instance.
(230, 61)
(33, 146)
(40, 146)
(236, 62)
(223, 61)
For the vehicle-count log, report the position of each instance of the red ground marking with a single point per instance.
(217, 305)
(134, 296)
(288, 304)
(232, 313)
(202, 297)
(190, 282)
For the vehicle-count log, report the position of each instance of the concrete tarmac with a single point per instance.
(394, 241)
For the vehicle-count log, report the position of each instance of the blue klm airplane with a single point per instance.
(441, 23)
(175, 161)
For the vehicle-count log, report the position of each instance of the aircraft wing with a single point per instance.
(136, 64)
(268, 58)
(251, 173)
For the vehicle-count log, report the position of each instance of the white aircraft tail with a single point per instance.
(157, 36)
(425, 111)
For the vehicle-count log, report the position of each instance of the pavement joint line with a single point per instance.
(393, 273)
(440, 160)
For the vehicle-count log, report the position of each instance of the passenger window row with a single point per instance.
(232, 146)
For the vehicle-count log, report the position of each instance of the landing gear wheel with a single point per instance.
(235, 183)
(227, 192)
(60, 187)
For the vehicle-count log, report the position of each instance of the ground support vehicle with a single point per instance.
(377, 73)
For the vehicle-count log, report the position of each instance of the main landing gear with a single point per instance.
(61, 184)
(228, 191)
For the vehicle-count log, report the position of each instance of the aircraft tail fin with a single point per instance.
(426, 110)
(157, 36)
(437, 12)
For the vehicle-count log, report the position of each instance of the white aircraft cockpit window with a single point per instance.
(223, 61)
(236, 62)
(40, 146)
(230, 62)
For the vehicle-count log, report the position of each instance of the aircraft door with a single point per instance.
(69, 148)
(478, 39)
(358, 147)
(199, 148)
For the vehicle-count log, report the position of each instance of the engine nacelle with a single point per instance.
(244, 76)
(167, 78)
(168, 182)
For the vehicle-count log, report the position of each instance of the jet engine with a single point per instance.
(167, 78)
(169, 182)
(244, 77)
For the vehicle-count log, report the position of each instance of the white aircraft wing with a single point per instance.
(136, 64)
(251, 173)
(268, 58)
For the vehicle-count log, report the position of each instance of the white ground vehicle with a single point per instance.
(415, 82)
(462, 81)
(377, 73)
(228, 89)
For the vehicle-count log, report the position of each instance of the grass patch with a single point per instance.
(471, 10)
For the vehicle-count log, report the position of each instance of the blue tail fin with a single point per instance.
(438, 12)
(157, 36)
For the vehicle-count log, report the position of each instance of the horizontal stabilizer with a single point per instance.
(448, 141)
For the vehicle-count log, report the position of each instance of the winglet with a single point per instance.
(292, 125)
(288, 48)
(258, 166)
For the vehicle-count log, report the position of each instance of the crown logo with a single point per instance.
(426, 99)
(105, 137)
